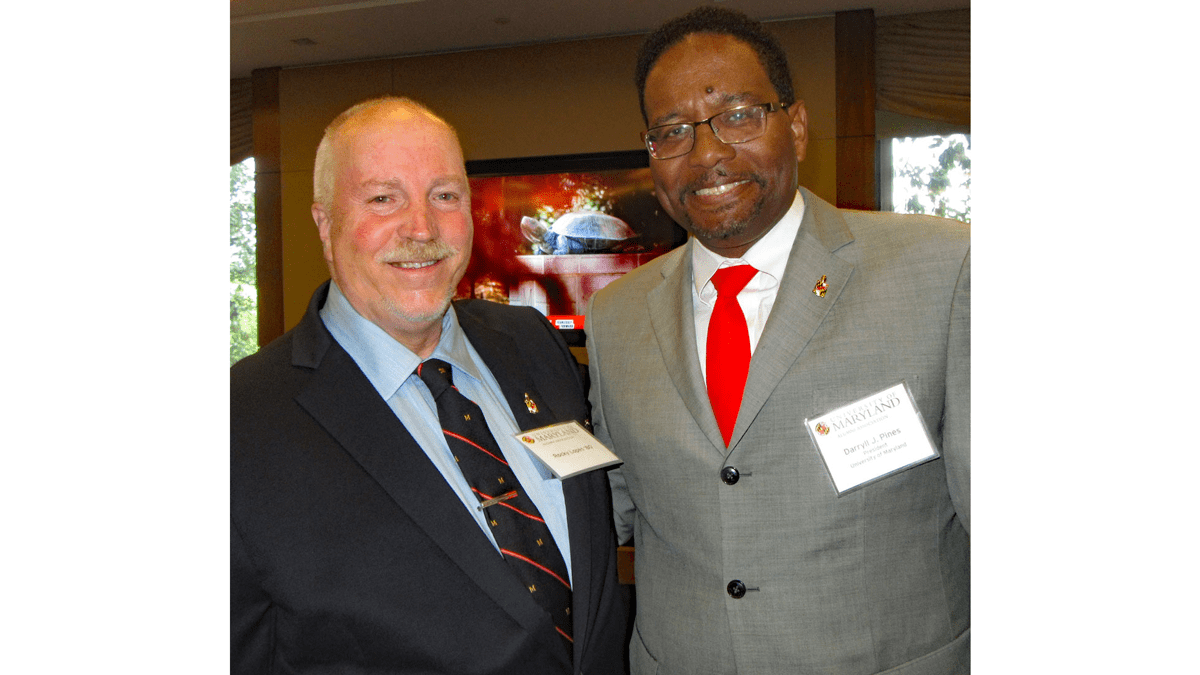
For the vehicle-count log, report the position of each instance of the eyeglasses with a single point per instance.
(738, 125)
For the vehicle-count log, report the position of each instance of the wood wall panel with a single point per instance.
(268, 204)
(854, 48)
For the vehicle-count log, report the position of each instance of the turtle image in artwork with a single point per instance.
(577, 232)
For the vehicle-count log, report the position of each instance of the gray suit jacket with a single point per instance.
(877, 580)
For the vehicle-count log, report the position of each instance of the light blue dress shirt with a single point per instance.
(391, 369)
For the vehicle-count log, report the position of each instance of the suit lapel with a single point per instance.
(577, 493)
(516, 382)
(798, 311)
(342, 400)
(670, 307)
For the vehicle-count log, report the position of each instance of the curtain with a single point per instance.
(241, 137)
(923, 65)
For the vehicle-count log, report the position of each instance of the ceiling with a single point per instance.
(268, 33)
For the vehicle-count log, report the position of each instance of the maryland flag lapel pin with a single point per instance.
(821, 287)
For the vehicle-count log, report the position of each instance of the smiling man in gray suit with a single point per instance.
(748, 560)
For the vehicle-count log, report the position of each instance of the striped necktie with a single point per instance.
(519, 530)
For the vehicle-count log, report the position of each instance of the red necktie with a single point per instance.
(728, 352)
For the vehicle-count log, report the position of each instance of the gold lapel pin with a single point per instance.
(530, 405)
(821, 287)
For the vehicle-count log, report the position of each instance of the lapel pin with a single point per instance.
(821, 287)
(530, 405)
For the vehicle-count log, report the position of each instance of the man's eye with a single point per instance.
(736, 116)
(447, 197)
(381, 199)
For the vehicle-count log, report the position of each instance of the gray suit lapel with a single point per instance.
(670, 306)
(798, 312)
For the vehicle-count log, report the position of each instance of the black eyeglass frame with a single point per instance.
(769, 107)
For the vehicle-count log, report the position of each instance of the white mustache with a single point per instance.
(416, 252)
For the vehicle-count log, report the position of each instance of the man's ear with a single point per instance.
(324, 223)
(799, 117)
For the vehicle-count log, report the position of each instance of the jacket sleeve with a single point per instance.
(623, 509)
(956, 421)
(250, 642)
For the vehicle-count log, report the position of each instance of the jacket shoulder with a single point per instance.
(533, 340)
(263, 387)
(637, 282)
(262, 368)
(909, 231)
(503, 318)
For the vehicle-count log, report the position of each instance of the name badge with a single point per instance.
(567, 449)
(872, 438)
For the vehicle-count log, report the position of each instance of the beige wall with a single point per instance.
(554, 99)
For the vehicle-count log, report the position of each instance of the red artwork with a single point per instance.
(550, 241)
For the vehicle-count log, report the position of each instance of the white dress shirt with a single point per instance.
(768, 255)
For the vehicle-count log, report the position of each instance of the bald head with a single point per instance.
(393, 211)
(325, 168)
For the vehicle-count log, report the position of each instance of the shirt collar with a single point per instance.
(387, 363)
(768, 255)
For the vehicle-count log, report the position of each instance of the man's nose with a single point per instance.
(707, 149)
(417, 223)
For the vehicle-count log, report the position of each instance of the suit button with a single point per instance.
(736, 589)
(729, 475)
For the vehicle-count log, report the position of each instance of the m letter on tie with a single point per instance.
(520, 532)
(727, 355)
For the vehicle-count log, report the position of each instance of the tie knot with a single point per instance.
(437, 375)
(729, 281)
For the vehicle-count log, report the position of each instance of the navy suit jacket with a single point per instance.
(351, 554)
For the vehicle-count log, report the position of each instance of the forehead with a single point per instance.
(400, 145)
(685, 73)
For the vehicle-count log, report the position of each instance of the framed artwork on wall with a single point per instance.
(551, 231)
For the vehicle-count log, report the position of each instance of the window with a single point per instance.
(243, 295)
(927, 174)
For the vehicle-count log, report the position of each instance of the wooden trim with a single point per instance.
(268, 204)
(854, 51)
(625, 564)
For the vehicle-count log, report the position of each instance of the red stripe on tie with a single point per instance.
(540, 567)
(560, 632)
(527, 515)
(474, 445)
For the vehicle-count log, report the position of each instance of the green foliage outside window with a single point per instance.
(933, 175)
(243, 295)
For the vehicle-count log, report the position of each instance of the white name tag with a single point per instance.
(872, 438)
(567, 449)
